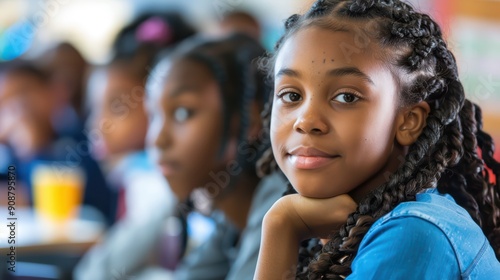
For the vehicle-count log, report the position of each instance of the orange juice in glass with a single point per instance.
(57, 191)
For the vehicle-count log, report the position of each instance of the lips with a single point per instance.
(168, 168)
(309, 158)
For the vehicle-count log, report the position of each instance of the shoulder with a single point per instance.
(405, 247)
(429, 231)
(438, 212)
(268, 191)
(214, 253)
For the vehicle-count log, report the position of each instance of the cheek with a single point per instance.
(138, 123)
(373, 138)
(123, 132)
(199, 141)
(281, 125)
(114, 138)
(276, 134)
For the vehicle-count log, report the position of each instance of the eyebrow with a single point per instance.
(184, 90)
(339, 72)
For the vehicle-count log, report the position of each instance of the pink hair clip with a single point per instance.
(154, 30)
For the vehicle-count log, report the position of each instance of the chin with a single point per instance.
(309, 190)
(181, 192)
(316, 195)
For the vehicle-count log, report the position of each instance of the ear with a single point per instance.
(411, 121)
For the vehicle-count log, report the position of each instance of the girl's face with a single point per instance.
(120, 114)
(186, 127)
(334, 114)
(26, 105)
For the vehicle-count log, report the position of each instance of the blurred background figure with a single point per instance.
(27, 107)
(205, 105)
(56, 55)
(67, 70)
(151, 32)
(240, 22)
(118, 122)
(25, 101)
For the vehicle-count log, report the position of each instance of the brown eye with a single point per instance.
(346, 98)
(291, 97)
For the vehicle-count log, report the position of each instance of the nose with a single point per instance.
(311, 121)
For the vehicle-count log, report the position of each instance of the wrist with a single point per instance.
(280, 224)
(279, 246)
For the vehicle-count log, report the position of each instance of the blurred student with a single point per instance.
(205, 101)
(27, 107)
(239, 22)
(118, 123)
(67, 69)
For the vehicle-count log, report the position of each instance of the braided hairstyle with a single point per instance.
(446, 153)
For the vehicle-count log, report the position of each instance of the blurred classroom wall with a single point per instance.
(473, 32)
(471, 27)
(92, 24)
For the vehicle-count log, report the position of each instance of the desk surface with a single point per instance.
(33, 235)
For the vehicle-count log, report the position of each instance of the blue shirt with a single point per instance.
(430, 238)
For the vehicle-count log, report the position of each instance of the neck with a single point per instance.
(236, 204)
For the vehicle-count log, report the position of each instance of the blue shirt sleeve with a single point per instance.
(405, 248)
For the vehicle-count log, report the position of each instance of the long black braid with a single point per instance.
(444, 156)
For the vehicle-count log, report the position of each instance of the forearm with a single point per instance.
(278, 251)
(290, 220)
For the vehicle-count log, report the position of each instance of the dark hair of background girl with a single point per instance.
(135, 54)
(127, 41)
(444, 156)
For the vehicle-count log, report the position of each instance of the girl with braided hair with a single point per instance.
(204, 100)
(370, 124)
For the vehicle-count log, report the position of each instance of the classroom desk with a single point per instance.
(46, 250)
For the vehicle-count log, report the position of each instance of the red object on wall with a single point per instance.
(443, 12)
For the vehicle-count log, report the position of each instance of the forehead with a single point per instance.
(320, 47)
(186, 70)
(118, 82)
(175, 77)
(19, 85)
(122, 74)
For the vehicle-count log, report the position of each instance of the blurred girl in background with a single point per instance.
(117, 127)
(204, 102)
